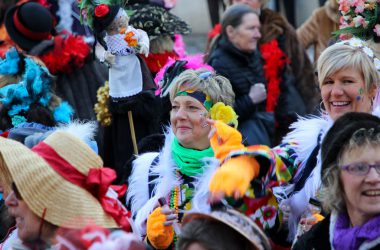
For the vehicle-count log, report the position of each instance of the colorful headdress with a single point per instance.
(34, 88)
(360, 19)
(101, 10)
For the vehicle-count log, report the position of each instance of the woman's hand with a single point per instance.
(257, 93)
(160, 230)
(224, 139)
(234, 176)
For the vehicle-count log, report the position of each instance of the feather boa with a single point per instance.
(193, 62)
(9, 65)
(275, 60)
(65, 15)
(156, 61)
(69, 53)
(35, 87)
(142, 203)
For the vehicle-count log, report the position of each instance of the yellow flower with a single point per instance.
(224, 113)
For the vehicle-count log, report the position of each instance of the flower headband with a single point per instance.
(357, 43)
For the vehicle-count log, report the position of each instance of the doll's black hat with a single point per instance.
(28, 24)
(101, 22)
(340, 134)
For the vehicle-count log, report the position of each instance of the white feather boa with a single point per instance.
(305, 133)
(143, 203)
(65, 14)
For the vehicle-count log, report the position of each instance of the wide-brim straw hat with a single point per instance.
(47, 193)
(237, 221)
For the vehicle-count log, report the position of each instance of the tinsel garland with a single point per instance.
(274, 62)
(103, 114)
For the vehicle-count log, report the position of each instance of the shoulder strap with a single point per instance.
(152, 177)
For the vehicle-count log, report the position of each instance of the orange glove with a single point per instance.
(225, 140)
(234, 176)
(159, 236)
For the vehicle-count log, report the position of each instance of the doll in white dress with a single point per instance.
(121, 43)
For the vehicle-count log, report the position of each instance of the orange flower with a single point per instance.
(129, 39)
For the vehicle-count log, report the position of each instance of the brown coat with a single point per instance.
(316, 31)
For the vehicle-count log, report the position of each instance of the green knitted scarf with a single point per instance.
(189, 161)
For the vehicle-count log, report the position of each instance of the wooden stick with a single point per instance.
(133, 134)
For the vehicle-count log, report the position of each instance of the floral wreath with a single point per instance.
(360, 19)
(358, 43)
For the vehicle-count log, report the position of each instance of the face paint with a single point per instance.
(361, 91)
(204, 123)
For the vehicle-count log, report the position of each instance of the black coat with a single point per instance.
(243, 70)
(316, 238)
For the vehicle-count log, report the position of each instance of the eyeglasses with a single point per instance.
(16, 192)
(361, 168)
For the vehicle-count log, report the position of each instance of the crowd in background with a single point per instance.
(112, 136)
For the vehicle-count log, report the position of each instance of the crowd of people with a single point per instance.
(113, 137)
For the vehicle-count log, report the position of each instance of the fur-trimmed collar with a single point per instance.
(143, 203)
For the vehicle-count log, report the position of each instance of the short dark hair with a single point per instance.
(212, 235)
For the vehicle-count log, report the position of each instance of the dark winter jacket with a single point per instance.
(243, 70)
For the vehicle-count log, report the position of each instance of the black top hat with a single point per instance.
(28, 24)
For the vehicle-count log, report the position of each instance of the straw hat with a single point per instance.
(237, 221)
(45, 191)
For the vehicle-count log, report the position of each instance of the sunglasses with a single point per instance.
(361, 169)
(16, 192)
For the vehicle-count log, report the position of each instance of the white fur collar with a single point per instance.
(166, 180)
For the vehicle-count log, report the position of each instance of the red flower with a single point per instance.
(101, 10)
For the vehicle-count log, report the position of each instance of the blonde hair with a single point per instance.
(342, 56)
(216, 86)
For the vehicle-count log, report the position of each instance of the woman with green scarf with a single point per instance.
(172, 174)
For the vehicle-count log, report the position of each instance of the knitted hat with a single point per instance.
(63, 182)
(237, 221)
(340, 134)
(28, 24)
